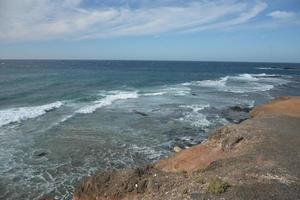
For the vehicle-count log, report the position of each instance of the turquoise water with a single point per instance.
(62, 120)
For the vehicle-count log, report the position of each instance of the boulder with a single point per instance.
(177, 149)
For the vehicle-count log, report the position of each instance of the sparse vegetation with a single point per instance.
(217, 186)
(199, 180)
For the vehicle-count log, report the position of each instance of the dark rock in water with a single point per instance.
(237, 121)
(140, 113)
(236, 114)
(194, 94)
(41, 154)
(177, 144)
(240, 109)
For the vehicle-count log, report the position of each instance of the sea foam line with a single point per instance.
(19, 114)
(241, 83)
(108, 100)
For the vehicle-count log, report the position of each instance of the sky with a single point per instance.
(198, 30)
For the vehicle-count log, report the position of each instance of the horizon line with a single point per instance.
(145, 60)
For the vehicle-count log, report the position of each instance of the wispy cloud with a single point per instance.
(282, 14)
(42, 19)
(283, 18)
(241, 18)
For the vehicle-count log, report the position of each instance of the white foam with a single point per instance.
(213, 83)
(195, 107)
(263, 75)
(65, 118)
(195, 118)
(154, 94)
(242, 83)
(250, 88)
(268, 68)
(108, 100)
(177, 90)
(244, 77)
(12, 115)
(149, 152)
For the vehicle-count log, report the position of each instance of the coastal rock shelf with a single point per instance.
(256, 159)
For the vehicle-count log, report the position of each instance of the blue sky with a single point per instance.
(221, 30)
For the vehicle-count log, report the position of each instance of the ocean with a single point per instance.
(61, 120)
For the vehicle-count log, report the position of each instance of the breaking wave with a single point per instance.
(112, 96)
(195, 118)
(12, 115)
(241, 83)
(108, 100)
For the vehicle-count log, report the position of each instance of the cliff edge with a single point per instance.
(256, 159)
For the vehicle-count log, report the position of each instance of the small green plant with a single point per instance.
(201, 170)
(200, 180)
(217, 186)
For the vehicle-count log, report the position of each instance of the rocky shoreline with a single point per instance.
(258, 158)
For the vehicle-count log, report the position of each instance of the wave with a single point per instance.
(214, 83)
(269, 68)
(154, 94)
(173, 90)
(149, 152)
(265, 68)
(65, 118)
(108, 100)
(242, 83)
(177, 90)
(13, 115)
(253, 88)
(195, 107)
(195, 118)
(246, 77)
(209, 83)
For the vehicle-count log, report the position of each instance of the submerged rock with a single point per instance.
(42, 154)
(140, 113)
(240, 108)
(236, 114)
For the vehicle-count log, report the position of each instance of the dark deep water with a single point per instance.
(62, 120)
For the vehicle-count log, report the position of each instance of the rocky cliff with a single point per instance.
(256, 159)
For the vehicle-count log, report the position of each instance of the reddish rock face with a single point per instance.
(192, 159)
(288, 106)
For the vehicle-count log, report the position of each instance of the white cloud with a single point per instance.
(282, 14)
(243, 18)
(42, 19)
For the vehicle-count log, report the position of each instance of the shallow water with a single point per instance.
(62, 120)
